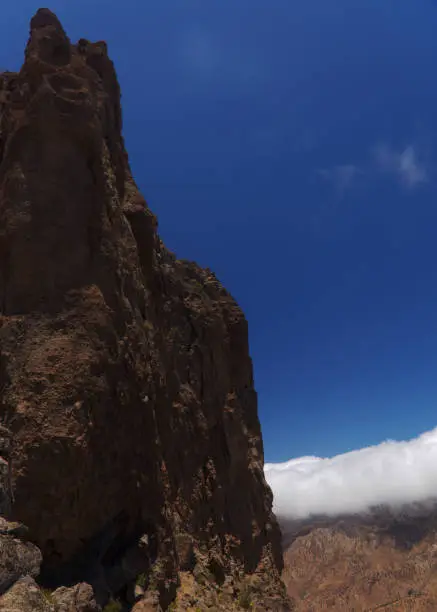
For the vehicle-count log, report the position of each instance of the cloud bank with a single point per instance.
(391, 473)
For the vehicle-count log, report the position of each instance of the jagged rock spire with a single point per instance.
(43, 18)
(48, 41)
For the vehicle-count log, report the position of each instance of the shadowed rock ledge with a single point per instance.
(130, 443)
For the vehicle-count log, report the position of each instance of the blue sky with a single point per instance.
(292, 147)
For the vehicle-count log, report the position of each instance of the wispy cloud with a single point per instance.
(407, 166)
(404, 164)
(341, 176)
(392, 473)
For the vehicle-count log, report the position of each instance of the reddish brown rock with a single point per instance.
(125, 377)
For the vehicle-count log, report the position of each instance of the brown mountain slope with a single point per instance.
(380, 561)
(132, 447)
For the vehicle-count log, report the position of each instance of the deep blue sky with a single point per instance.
(291, 146)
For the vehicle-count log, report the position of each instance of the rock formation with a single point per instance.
(130, 444)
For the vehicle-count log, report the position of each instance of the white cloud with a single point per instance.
(392, 474)
(342, 176)
(405, 164)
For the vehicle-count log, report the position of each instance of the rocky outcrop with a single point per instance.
(126, 384)
(18, 557)
(25, 596)
(79, 598)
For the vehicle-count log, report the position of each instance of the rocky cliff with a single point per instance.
(130, 443)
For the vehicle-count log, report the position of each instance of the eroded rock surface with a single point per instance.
(25, 596)
(79, 598)
(125, 379)
(18, 558)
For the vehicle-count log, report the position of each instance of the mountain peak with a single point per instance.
(44, 18)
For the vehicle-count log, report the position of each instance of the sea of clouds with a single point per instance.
(392, 473)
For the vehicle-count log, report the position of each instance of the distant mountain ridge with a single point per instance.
(383, 559)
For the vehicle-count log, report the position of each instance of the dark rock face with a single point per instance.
(125, 379)
(20, 563)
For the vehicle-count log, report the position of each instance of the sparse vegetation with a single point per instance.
(155, 577)
(113, 605)
(149, 325)
(48, 595)
(245, 599)
(142, 580)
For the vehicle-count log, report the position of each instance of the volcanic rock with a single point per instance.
(17, 558)
(126, 385)
(79, 598)
(25, 596)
